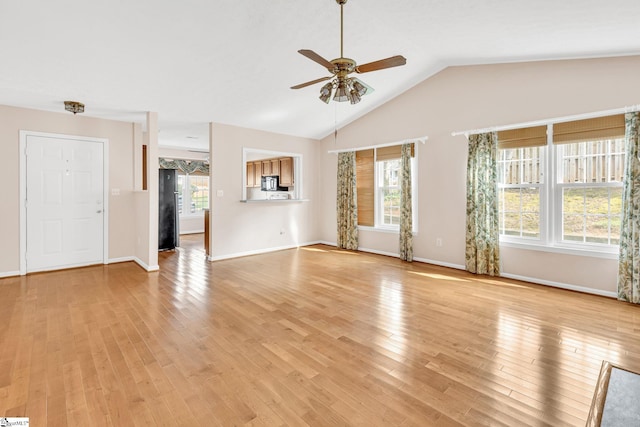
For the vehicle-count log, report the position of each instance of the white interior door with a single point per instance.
(64, 203)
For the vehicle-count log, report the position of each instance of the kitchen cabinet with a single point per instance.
(281, 167)
(266, 168)
(250, 177)
(275, 166)
(254, 174)
(257, 174)
(286, 172)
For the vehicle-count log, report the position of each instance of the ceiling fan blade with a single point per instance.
(317, 58)
(312, 82)
(394, 61)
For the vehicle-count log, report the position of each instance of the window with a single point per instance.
(193, 194)
(520, 182)
(378, 185)
(580, 205)
(388, 208)
(590, 190)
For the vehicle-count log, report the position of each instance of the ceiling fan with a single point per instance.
(346, 88)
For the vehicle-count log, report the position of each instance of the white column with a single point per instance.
(152, 187)
(212, 192)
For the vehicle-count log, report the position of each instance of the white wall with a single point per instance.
(470, 97)
(242, 228)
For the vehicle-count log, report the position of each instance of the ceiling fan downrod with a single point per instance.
(341, 3)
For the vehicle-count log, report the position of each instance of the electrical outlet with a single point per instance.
(439, 242)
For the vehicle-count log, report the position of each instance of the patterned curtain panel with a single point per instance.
(192, 167)
(629, 260)
(347, 202)
(406, 215)
(482, 238)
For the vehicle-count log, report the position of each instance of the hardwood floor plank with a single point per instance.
(309, 336)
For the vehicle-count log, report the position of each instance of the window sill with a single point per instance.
(561, 249)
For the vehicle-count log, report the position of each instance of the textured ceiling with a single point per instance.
(200, 61)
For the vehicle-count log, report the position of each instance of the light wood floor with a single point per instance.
(313, 336)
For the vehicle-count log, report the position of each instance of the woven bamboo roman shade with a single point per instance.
(607, 127)
(392, 152)
(524, 137)
(365, 188)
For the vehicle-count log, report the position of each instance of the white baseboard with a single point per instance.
(110, 261)
(260, 251)
(122, 259)
(134, 259)
(145, 266)
(9, 274)
(377, 252)
(440, 263)
(561, 285)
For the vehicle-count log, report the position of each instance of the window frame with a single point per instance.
(543, 187)
(186, 200)
(551, 212)
(380, 190)
(558, 193)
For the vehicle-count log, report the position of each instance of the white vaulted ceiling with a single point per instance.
(200, 61)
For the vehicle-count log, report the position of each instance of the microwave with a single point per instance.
(271, 183)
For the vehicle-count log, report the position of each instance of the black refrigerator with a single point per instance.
(168, 236)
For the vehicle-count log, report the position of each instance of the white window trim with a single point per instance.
(551, 218)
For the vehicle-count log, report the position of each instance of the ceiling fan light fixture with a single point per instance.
(355, 97)
(325, 97)
(74, 107)
(342, 92)
(360, 88)
(325, 92)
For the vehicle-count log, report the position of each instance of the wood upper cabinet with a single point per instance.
(286, 171)
(257, 174)
(254, 174)
(250, 175)
(282, 167)
(275, 166)
(266, 168)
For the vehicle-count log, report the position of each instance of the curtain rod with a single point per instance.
(422, 139)
(549, 121)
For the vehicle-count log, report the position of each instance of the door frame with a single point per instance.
(24, 134)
